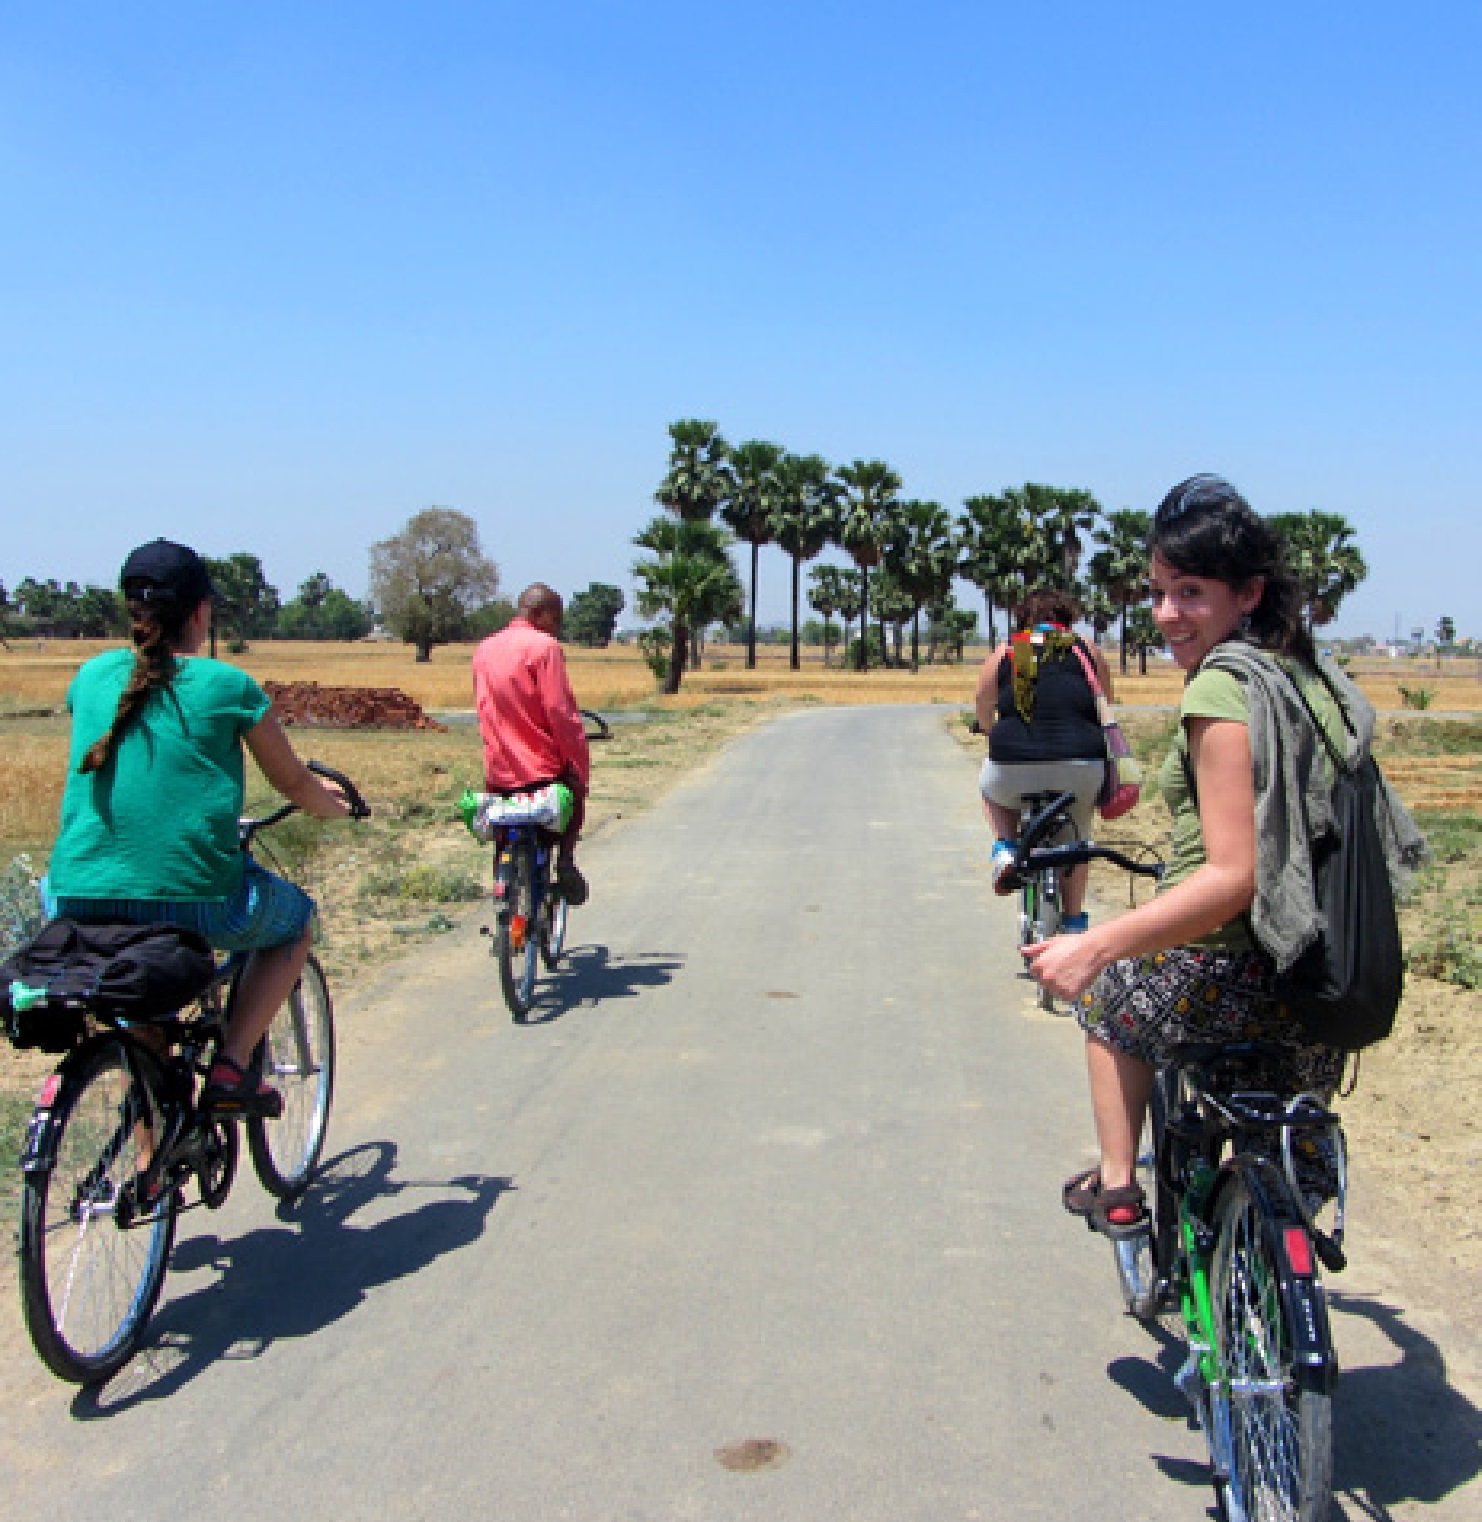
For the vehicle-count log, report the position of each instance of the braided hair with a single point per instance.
(156, 627)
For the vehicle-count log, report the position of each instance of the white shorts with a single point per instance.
(1009, 785)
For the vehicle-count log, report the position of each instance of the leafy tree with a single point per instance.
(894, 609)
(827, 595)
(748, 510)
(870, 500)
(1322, 555)
(99, 613)
(428, 579)
(921, 556)
(591, 616)
(688, 579)
(322, 611)
(246, 604)
(1119, 569)
(804, 518)
(489, 618)
(1143, 634)
(949, 628)
(994, 551)
(699, 480)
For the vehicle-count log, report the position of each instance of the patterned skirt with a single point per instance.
(1145, 1006)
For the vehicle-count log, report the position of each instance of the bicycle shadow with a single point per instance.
(1401, 1431)
(298, 1277)
(588, 976)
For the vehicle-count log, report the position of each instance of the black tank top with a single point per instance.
(1064, 725)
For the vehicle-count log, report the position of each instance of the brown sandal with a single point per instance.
(1112, 1212)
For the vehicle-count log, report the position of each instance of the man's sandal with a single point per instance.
(1112, 1212)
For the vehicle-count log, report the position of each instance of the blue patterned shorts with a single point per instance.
(266, 911)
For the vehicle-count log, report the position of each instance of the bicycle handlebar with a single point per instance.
(359, 808)
(1030, 856)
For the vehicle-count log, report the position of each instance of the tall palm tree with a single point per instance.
(921, 555)
(827, 596)
(870, 499)
(754, 491)
(1120, 567)
(688, 578)
(1059, 516)
(1322, 555)
(804, 518)
(993, 547)
(699, 478)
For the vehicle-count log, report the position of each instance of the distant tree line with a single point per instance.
(906, 554)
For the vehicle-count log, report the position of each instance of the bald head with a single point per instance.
(540, 606)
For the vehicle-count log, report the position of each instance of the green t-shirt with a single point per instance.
(160, 819)
(1214, 694)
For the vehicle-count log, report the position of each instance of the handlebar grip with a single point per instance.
(359, 808)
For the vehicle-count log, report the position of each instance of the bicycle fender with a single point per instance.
(1304, 1302)
(39, 1151)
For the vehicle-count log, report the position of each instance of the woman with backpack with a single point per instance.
(154, 791)
(1242, 781)
(1036, 704)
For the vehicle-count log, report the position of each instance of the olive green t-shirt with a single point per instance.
(160, 819)
(1215, 694)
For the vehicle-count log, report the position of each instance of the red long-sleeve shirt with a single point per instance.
(531, 726)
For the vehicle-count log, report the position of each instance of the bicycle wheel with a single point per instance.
(90, 1268)
(1047, 923)
(1144, 1259)
(553, 914)
(1278, 1430)
(297, 1058)
(516, 934)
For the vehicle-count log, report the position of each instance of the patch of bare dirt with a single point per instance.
(347, 707)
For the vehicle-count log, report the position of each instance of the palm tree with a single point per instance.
(921, 554)
(993, 547)
(754, 488)
(1058, 515)
(689, 579)
(869, 502)
(805, 516)
(1120, 567)
(1322, 555)
(833, 589)
(699, 478)
(894, 608)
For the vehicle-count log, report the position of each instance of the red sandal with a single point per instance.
(231, 1090)
(1112, 1212)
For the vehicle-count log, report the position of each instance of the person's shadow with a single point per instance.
(1401, 1431)
(591, 976)
(299, 1276)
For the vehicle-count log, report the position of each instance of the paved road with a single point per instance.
(759, 1221)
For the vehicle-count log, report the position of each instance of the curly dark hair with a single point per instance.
(1046, 605)
(1204, 527)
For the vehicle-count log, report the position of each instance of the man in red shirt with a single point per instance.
(532, 729)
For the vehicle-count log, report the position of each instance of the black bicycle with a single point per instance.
(1048, 846)
(117, 1140)
(1237, 1175)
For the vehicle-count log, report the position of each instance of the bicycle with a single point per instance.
(117, 1136)
(1232, 1244)
(530, 912)
(1040, 864)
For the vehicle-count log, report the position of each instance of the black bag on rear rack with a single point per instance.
(134, 972)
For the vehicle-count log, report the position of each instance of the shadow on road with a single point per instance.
(1401, 1431)
(592, 975)
(300, 1276)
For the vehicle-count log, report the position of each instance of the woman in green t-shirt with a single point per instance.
(1185, 966)
(154, 790)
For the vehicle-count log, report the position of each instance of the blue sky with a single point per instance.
(275, 277)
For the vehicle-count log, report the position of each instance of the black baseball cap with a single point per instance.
(162, 571)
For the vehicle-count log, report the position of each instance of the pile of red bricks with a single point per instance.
(347, 707)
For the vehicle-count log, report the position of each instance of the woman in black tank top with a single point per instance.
(1036, 705)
